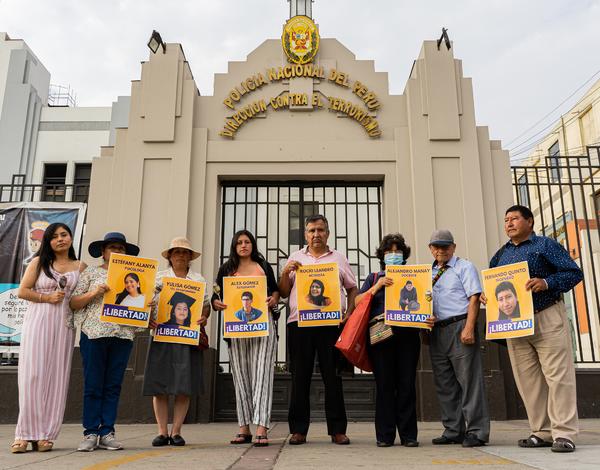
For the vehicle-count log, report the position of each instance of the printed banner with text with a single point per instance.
(22, 226)
(131, 281)
(509, 308)
(318, 295)
(247, 313)
(408, 299)
(179, 309)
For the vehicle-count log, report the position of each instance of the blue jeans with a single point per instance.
(104, 363)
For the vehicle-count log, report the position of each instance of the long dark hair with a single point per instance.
(173, 320)
(231, 265)
(121, 295)
(46, 253)
(319, 300)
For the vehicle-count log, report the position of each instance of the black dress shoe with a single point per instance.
(160, 441)
(472, 441)
(177, 440)
(410, 443)
(340, 439)
(384, 444)
(443, 440)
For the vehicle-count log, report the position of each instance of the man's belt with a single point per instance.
(554, 302)
(449, 321)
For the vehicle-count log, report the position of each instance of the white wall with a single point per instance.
(70, 135)
(24, 83)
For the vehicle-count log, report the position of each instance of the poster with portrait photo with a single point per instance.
(131, 281)
(509, 308)
(318, 295)
(408, 299)
(179, 309)
(247, 312)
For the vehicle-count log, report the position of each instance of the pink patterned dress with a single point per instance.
(45, 362)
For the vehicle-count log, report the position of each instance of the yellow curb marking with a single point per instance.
(127, 459)
(154, 453)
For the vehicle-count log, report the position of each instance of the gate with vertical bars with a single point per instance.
(275, 212)
(563, 193)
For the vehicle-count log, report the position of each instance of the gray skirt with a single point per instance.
(173, 369)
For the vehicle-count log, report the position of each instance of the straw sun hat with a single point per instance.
(180, 242)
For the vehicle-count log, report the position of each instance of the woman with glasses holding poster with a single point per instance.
(47, 338)
(253, 380)
(171, 368)
(394, 360)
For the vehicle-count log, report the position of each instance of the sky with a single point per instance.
(524, 57)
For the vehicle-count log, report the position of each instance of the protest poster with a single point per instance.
(247, 313)
(131, 281)
(318, 295)
(22, 227)
(179, 309)
(408, 299)
(509, 308)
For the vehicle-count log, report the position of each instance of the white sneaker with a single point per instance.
(89, 443)
(109, 442)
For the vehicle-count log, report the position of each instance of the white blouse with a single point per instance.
(137, 302)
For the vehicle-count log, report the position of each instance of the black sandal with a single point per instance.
(261, 441)
(534, 441)
(562, 444)
(242, 439)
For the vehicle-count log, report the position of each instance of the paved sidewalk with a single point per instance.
(208, 448)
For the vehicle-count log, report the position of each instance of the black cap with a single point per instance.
(179, 297)
(441, 238)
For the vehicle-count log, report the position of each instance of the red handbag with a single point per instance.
(353, 340)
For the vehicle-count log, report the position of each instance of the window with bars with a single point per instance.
(554, 162)
(54, 188)
(523, 190)
(81, 182)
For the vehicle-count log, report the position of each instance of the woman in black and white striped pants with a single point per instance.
(252, 360)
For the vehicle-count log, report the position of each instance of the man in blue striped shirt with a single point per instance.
(454, 346)
(542, 364)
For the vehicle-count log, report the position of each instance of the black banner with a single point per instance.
(22, 227)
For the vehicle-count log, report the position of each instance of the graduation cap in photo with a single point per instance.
(180, 297)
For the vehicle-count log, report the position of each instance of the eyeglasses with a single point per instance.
(62, 282)
(440, 247)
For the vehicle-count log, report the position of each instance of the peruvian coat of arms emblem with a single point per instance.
(300, 39)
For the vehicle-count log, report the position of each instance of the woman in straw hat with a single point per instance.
(174, 369)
